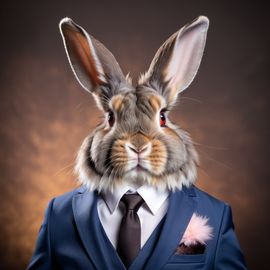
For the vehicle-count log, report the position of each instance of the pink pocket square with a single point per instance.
(194, 240)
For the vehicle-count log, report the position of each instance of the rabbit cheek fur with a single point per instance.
(131, 145)
(168, 161)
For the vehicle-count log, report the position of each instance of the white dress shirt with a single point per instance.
(150, 214)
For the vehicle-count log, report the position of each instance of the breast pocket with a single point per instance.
(186, 262)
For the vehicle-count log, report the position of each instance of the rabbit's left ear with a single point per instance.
(177, 60)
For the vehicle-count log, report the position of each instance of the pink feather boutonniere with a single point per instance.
(194, 240)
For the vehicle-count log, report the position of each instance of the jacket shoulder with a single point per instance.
(63, 202)
(208, 197)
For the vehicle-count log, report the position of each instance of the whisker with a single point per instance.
(190, 98)
(216, 161)
(210, 146)
(64, 168)
(205, 172)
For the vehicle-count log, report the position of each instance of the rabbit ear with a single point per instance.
(177, 60)
(92, 63)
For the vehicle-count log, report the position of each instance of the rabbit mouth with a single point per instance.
(139, 168)
(138, 165)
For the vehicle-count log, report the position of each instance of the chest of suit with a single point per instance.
(82, 243)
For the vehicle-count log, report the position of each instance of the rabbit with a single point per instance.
(137, 149)
(136, 117)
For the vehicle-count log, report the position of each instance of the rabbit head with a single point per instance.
(136, 142)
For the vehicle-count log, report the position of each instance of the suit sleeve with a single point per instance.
(41, 258)
(228, 252)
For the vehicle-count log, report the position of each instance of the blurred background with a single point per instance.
(45, 115)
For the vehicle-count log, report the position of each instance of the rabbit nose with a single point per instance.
(145, 148)
(133, 149)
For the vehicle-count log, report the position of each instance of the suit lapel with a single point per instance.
(86, 219)
(82, 206)
(181, 207)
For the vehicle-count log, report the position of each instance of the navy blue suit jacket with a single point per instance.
(72, 237)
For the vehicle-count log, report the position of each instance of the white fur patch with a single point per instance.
(198, 231)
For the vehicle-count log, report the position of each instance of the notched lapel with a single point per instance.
(181, 207)
(90, 231)
(82, 206)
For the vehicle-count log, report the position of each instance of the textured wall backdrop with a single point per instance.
(45, 114)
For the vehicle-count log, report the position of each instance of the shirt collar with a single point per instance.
(153, 197)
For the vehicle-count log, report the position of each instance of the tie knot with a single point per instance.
(132, 201)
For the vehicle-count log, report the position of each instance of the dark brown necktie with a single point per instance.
(129, 238)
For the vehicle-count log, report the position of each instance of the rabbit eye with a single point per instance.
(162, 119)
(111, 119)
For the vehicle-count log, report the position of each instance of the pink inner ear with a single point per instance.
(81, 57)
(198, 231)
(180, 63)
(186, 55)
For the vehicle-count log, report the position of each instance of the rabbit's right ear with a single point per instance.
(93, 64)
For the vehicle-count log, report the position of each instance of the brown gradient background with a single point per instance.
(45, 114)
